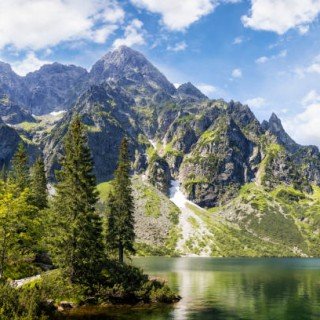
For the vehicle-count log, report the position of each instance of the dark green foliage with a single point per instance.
(78, 232)
(38, 185)
(121, 207)
(20, 169)
(20, 304)
(4, 173)
(19, 229)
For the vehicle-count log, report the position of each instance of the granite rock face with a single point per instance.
(107, 115)
(54, 87)
(159, 175)
(9, 140)
(129, 68)
(12, 113)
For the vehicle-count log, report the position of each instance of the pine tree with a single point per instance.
(79, 227)
(20, 168)
(19, 226)
(4, 173)
(121, 207)
(38, 184)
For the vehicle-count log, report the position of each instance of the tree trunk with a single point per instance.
(120, 250)
(3, 255)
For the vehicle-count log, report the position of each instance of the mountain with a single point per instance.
(189, 91)
(129, 68)
(12, 85)
(9, 140)
(243, 181)
(54, 87)
(107, 114)
(12, 113)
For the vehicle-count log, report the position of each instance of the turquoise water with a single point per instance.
(225, 289)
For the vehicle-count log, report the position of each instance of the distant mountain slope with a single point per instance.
(54, 87)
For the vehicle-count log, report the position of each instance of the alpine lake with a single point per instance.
(226, 289)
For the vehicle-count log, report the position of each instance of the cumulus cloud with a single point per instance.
(207, 89)
(178, 15)
(30, 63)
(264, 59)
(312, 97)
(236, 73)
(133, 35)
(257, 102)
(281, 15)
(305, 127)
(313, 67)
(237, 40)
(29, 24)
(180, 46)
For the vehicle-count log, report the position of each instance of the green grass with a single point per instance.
(30, 126)
(104, 190)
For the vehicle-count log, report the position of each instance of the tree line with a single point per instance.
(67, 225)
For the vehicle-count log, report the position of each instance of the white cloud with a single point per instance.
(281, 15)
(236, 73)
(305, 127)
(303, 29)
(237, 40)
(180, 46)
(313, 67)
(178, 14)
(312, 97)
(207, 89)
(30, 24)
(177, 85)
(102, 34)
(29, 64)
(264, 59)
(133, 35)
(257, 102)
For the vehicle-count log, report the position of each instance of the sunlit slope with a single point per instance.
(156, 218)
(281, 222)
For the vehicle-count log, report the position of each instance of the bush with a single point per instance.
(22, 304)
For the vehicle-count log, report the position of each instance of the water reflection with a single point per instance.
(216, 289)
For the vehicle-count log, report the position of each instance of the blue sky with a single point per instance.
(265, 53)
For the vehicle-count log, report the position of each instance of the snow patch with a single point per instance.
(188, 230)
(58, 113)
(153, 143)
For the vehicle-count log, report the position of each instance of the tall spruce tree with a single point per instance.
(38, 184)
(20, 168)
(121, 234)
(79, 227)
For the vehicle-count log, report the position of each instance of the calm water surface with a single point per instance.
(225, 289)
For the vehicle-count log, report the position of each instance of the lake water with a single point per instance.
(230, 288)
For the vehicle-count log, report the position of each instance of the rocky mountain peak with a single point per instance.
(188, 90)
(56, 68)
(275, 127)
(5, 68)
(127, 66)
(275, 122)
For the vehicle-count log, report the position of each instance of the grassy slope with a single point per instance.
(156, 218)
(283, 222)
